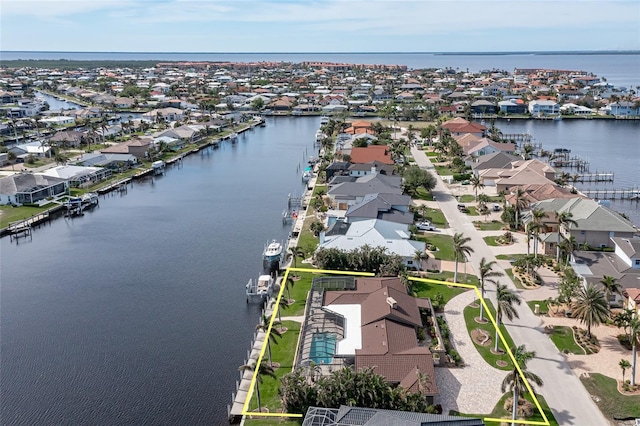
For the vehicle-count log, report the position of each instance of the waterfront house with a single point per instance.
(459, 126)
(380, 153)
(364, 416)
(389, 207)
(543, 107)
(58, 120)
(35, 149)
(371, 322)
(482, 107)
(512, 106)
(623, 109)
(137, 147)
(597, 224)
(67, 138)
(79, 176)
(31, 188)
(364, 169)
(352, 191)
(516, 173)
(112, 161)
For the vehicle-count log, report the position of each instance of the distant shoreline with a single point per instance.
(505, 53)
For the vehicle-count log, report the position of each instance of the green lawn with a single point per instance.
(462, 277)
(467, 198)
(444, 243)
(423, 194)
(515, 280)
(500, 413)
(436, 217)
(564, 341)
(429, 290)
(491, 240)
(509, 256)
(431, 153)
(612, 403)
(282, 353)
(489, 226)
(444, 170)
(318, 189)
(307, 241)
(298, 293)
(12, 214)
(472, 211)
(470, 313)
(544, 306)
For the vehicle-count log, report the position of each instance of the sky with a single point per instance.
(318, 25)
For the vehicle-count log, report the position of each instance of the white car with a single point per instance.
(425, 226)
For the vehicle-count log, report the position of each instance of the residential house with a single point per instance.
(79, 176)
(623, 265)
(543, 107)
(352, 191)
(35, 149)
(513, 106)
(596, 227)
(623, 109)
(380, 153)
(352, 416)
(137, 147)
(394, 237)
(373, 167)
(389, 207)
(31, 188)
(517, 173)
(482, 107)
(114, 162)
(459, 126)
(67, 138)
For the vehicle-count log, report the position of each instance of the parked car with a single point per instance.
(425, 226)
(462, 208)
(496, 207)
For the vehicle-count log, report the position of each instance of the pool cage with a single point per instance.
(322, 328)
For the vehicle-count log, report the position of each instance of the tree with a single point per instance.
(296, 252)
(476, 184)
(420, 256)
(11, 157)
(460, 250)
(634, 334)
(611, 287)
(414, 177)
(257, 103)
(514, 382)
(568, 286)
(564, 219)
(263, 370)
(537, 214)
(590, 307)
(505, 299)
(519, 203)
(486, 272)
(624, 364)
(317, 227)
(273, 336)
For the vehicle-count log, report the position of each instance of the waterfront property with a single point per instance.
(31, 188)
(366, 322)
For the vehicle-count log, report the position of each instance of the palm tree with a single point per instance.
(476, 184)
(590, 307)
(634, 335)
(420, 256)
(295, 253)
(288, 284)
(564, 219)
(460, 250)
(263, 370)
(519, 203)
(486, 273)
(531, 228)
(537, 215)
(273, 335)
(624, 364)
(514, 381)
(611, 286)
(505, 298)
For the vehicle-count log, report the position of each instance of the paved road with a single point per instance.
(563, 391)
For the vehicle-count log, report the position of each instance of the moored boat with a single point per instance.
(260, 289)
(271, 256)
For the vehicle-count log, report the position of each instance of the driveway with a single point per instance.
(563, 391)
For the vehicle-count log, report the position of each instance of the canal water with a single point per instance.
(135, 313)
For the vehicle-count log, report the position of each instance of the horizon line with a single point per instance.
(505, 52)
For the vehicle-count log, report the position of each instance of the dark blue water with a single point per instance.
(618, 69)
(136, 313)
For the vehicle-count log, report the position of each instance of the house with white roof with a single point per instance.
(394, 237)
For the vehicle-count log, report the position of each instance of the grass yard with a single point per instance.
(564, 341)
(488, 226)
(612, 403)
(444, 170)
(423, 194)
(298, 292)
(319, 189)
(282, 353)
(432, 154)
(466, 198)
(544, 306)
(436, 217)
(500, 413)
(491, 240)
(470, 313)
(423, 289)
(10, 214)
(444, 243)
(515, 279)
(472, 211)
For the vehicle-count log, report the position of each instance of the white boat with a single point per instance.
(89, 200)
(260, 289)
(319, 136)
(324, 119)
(272, 255)
(158, 167)
(306, 176)
(233, 137)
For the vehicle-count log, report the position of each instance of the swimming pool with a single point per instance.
(323, 347)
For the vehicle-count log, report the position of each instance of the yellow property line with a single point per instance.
(245, 411)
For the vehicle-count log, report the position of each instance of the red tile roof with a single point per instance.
(371, 153)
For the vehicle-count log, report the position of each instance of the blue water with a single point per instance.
(323, 347)
(618, 69)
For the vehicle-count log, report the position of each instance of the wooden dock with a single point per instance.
(595, 177)
(632, 194)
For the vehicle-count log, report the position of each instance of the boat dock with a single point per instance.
(612, 194)
(595, 177)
